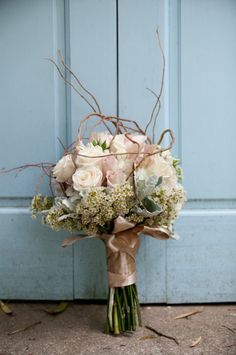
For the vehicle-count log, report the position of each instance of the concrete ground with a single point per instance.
(80, 330)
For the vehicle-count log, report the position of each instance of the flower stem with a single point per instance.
(138, 305)
(127, 309)
(120, 311)
(123, 311)
(132, 308)
(116, 321)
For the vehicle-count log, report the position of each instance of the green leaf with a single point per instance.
(159, 181)
(150, 205)
(146, 214)
(5, 308)
(25, 328)
(176, 162)
(103, 145)
(61, 307)
(147, 337)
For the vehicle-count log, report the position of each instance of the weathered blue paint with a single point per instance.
(208, 110)
(201, 265)
(140, 67)
(32, 111)
(32, 263)
(93, 55)
(198, 104)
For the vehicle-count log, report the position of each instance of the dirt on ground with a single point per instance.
(80, 330)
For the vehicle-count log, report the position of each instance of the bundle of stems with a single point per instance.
(123, 310)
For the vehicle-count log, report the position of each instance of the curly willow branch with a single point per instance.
(158, 96)
(69, 83)
(121, 125)
(146, 155)
(158, 151)
(116, 121)
(46, 167)
(78, 80)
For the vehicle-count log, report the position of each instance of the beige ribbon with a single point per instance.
(121, 248)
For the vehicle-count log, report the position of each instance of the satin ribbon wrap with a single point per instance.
(121, 248)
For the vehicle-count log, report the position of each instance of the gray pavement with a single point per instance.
(80, 330)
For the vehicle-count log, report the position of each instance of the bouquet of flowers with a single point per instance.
(114, 188)
(114, 185)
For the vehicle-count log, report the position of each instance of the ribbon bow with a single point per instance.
(121, 247)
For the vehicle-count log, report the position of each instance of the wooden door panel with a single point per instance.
(32, 111)
(112, 46)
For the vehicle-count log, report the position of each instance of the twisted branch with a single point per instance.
(78, 80)
(158, 97)
(122, 125)
(69, 83)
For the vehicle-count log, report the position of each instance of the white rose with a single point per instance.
(167, 171)
(119, 144)
(64, 169)
(89, 151)
(142, 174)
(167, 156)
(84, 178)
(139, 138)
(159, 167)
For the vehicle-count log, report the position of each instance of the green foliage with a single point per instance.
(179, 172)
(147, 187)
(95, 210)
(41, 203)
(103, 145)
(150, 205)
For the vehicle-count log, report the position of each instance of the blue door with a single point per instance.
(112, 46)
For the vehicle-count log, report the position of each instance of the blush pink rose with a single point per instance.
(109, 162)
(146, 160)
(131, 145)
(115, 178)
